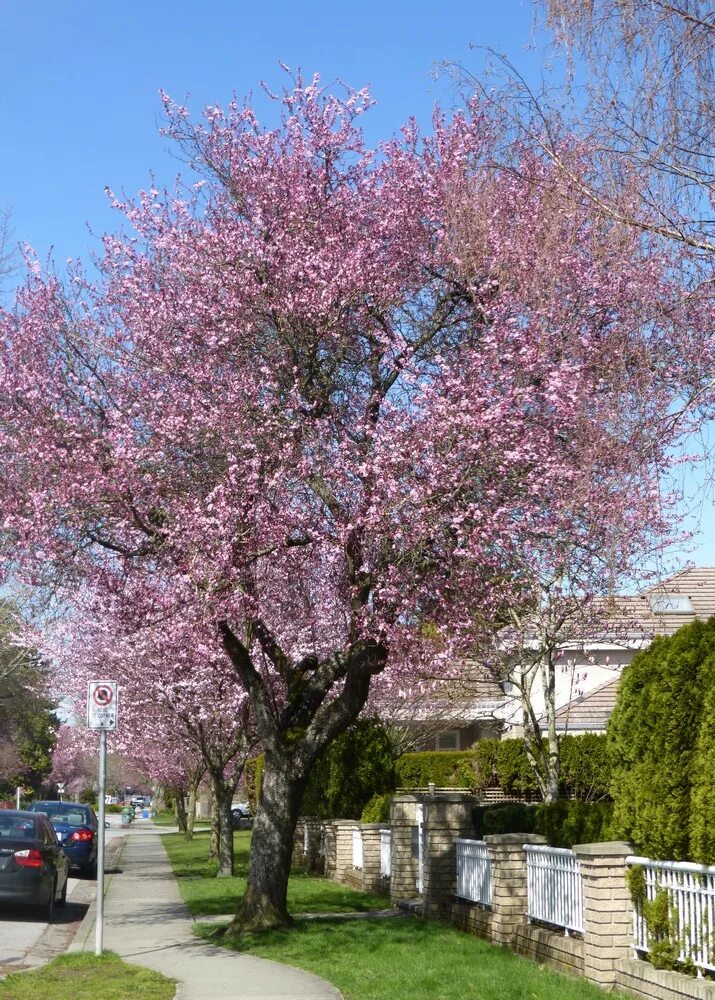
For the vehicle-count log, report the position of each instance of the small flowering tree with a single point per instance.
(321, 428)
(183, 713)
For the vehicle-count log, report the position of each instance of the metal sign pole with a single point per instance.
(18, 792)
(99, 926)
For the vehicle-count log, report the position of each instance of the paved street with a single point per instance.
(26, 940)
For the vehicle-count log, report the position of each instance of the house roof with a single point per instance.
(639, 614)
(588, 713)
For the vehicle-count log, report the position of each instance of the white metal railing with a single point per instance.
(474, 871)
(385, 852)
(691, 905)
(357, 847)
(555, 894)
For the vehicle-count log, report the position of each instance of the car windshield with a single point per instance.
(63, 814)
(16, 828)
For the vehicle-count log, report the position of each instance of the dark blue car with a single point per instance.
(33, 867)
(76, 829)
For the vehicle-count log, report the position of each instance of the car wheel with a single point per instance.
(47, 911)
(63, 898)
(90, 870)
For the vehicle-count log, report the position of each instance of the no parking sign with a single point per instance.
(102, 705)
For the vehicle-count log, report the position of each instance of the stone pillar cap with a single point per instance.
(609, 849)
(515, 838)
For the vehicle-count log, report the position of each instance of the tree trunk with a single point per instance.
(314, 714)
(263, 906)
(223, 797)
(191, 811)
(552, 763)
(215, 842)
(180, 809)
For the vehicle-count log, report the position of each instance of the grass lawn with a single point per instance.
(393, 959)
(204, 894)
(84, 977)
(167, 818)
(411, 959)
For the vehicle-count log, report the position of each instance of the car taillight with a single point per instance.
(29, 859)
(82, 835)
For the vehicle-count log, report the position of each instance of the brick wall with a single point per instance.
(550, 947)
(643, 980)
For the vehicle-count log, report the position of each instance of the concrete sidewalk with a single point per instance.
(146, 923)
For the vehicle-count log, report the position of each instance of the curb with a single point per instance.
(79, 942)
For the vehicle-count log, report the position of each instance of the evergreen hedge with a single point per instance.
(585, 767)
(357, 765)
(563, 823)
(661, 741)
(442, 768)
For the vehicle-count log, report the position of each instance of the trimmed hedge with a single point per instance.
(377, 809)
(443, 768)
(585, 767)
(563, 823)
(357, 765)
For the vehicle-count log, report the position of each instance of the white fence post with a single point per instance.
(357, 847)
(474, 871)
(555, 896)
(385, 853)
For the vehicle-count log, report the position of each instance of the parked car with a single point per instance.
(76, 828)
(33, 867)
(241, 816)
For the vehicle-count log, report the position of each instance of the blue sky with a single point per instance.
(79, 84)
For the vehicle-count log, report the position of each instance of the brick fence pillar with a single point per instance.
(299, 843)
(372, 880)
(403, 817)
(607, 909)
(344, 847)
(509, 884)
(329, 847)
(447, 815)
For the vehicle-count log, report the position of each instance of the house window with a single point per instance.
(448, 740)
(670, 604)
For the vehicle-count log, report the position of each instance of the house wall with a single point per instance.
(579, 678)
(486, 729)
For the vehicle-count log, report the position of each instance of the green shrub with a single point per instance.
(585, 765)
(442, 768)
(507, 817)
(702, 800)
(659, 736)
(377, 809)
(563, 823)
(357, 765)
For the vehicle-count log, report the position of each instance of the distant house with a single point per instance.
(587, 694)
(587, 686)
